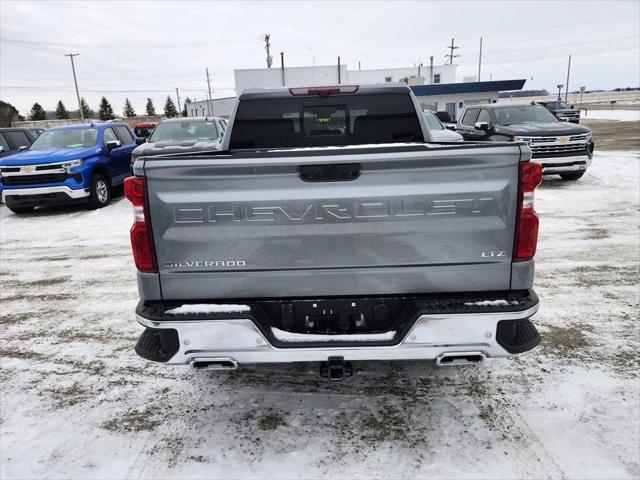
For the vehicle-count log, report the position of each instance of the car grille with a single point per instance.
(568, 114)
(554, 145)
(34, 179)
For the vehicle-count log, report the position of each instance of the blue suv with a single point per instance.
(74, 163)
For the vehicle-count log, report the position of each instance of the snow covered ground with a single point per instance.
(620, 115)
(76, 402)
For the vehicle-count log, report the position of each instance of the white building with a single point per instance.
(434, 86)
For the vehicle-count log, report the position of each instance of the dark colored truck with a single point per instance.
(561, 148)
(562, 111)
(330, 228)
(14, 140)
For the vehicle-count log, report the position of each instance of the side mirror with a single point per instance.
(450, 127)
(484, 126)
(140, 140)
(111, 145)
(572, 106)
(22, 148)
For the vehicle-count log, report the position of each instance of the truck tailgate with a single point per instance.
(378, 220)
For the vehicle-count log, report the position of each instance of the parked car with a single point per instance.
(66, 164)
(562, 111)
(177, 135)
(329, 230)
(440, 133)
(144, 129)
(12, 140)
(561, 147)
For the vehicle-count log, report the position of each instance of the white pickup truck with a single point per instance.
(330, 228)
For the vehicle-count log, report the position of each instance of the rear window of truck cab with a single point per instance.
(334, 120)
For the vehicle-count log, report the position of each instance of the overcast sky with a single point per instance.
(147, 49)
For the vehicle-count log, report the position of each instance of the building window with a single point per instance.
(436, 78)
(388, 79)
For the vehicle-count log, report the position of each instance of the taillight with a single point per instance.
(530, 176)
(141, 239)
(324, 91)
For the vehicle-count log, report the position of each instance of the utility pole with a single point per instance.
(359, 66)
(209, 106)
(339, 71)
(73, 68)
(178, 97)
(451, 56)
(267, 47)
(282, 67)
(431, 70)
(566, 91)
(480, 59)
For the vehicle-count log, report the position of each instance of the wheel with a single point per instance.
(100, 194)
(20, 210)
(572, 176)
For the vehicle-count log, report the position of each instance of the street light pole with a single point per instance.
(73, 68)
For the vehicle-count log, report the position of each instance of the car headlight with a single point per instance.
(73, 163)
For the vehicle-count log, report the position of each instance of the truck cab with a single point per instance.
(561, 147)
(73, 163)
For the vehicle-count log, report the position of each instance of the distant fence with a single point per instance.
(57, 123)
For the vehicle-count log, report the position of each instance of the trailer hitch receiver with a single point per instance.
(336, 369)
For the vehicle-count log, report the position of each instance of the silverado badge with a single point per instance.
(564, 139)
(27, 169)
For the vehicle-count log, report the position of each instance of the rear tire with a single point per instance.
(572, 176)
(100, 194)
(20, 210)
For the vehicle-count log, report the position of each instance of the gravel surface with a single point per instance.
(76, 402)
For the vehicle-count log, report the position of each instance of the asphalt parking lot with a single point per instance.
(76, 402)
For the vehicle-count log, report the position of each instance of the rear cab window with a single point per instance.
(335, 120)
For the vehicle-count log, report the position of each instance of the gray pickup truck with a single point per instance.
(331, 229)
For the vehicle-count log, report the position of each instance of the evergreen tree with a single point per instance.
(37, 112)
(184, 109)
(61, 111)
(170, 109)
(105, 112)
(150, 109)
(128, 109)
(86, 110)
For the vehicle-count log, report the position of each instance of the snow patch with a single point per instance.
(620, 115)
(490, 303)
(314, 337)
(207, 308)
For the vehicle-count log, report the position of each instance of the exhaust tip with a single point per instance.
(459, 358)
(216, 363)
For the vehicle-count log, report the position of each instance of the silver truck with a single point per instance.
(331, 229)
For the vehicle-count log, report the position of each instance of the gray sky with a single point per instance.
(147, 49)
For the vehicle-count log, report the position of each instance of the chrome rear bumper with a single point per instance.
(240, 342)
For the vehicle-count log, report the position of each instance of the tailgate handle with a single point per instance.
(335, 172)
